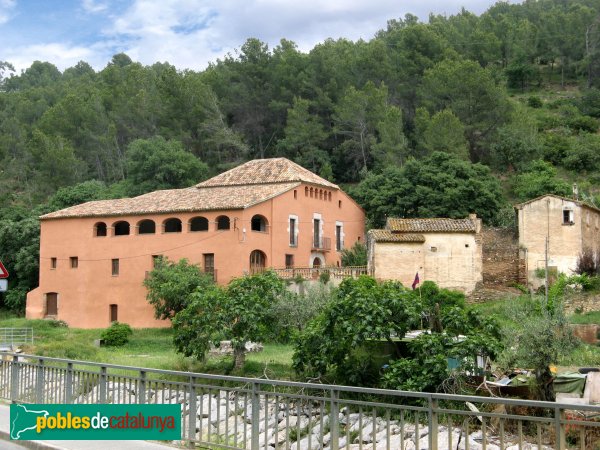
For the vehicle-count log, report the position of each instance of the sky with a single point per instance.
(190, 33)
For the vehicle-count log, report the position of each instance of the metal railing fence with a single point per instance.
(225, 412)
(15, 336)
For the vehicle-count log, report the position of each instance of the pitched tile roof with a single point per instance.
(263, 171)
(439, 225)
(388, 236)
(567, 199)
(178, 200)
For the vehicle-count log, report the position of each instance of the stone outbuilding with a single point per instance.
(568, 226)
(446, 251)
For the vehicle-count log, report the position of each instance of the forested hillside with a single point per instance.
(460, 114)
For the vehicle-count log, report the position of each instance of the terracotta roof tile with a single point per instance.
(177, 200)
(388, 236)
(263, 171)
(439, 225)
(567, 199)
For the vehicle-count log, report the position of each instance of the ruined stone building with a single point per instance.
(446, 251)
(568, 226)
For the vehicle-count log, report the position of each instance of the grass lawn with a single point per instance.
(147, 347)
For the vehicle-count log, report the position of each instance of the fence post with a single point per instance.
(433, 423)
(14, 379)
(559, 415)
(254, 444)
(102, 385)
(142, 388)
(39, 382)
(69, 384)
(334, 420)
(193, 411)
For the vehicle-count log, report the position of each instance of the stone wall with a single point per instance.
(582, 303)
(500, 257)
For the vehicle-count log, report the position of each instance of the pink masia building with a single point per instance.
(265, 213)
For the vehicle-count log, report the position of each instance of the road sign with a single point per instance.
(3, 285)
(3, 271)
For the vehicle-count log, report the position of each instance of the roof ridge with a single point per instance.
(266, 171)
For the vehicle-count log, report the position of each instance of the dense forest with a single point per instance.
(459, 114)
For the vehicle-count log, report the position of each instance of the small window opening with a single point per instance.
(258, 223)
(121, 228)
(568, 217)
(339, 203)
(434, 249)
(100, 229)
(115, 267)
(223, 223)
(172, 226)
(289, 261)
(53, 262)
(295, 194)
(146, 227)
(74, 262)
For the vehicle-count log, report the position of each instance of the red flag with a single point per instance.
(414, 285)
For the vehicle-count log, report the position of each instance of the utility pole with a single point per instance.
(546, 262)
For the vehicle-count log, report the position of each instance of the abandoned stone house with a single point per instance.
(446, 251)
(566, 226)
(265, 213)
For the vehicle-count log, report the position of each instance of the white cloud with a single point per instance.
(94, 7)
(6, 10)
(59, 54)
(192, 33)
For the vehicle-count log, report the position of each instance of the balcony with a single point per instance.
(321, 245)
(309, 273)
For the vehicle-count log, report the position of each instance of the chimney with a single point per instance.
(575, 191)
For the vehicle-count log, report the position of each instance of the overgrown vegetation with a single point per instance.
(363, 312)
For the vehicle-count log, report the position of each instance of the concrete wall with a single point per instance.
(544, 217)
(85, 292)
(452, 260)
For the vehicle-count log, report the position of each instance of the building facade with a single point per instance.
(265, 213)
(446, 251)
(566, 226)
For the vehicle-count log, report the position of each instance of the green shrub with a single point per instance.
(535, 102)
(116, 335)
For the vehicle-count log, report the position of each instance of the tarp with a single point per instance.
(570, 382)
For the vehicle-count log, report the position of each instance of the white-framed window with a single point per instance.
(339, 236)
(293, 230)
(568, 216)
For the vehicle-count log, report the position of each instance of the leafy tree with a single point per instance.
(538, 179)
(170, 284)
(442, 132)
(241, 312)
(355, 256)
(363, 310)
(517, 143)
(539, 338)
(440, 185)
(159, 164)
(305, 136)
(472, 94)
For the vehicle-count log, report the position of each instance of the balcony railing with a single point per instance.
(308, 273)
(322, 244)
